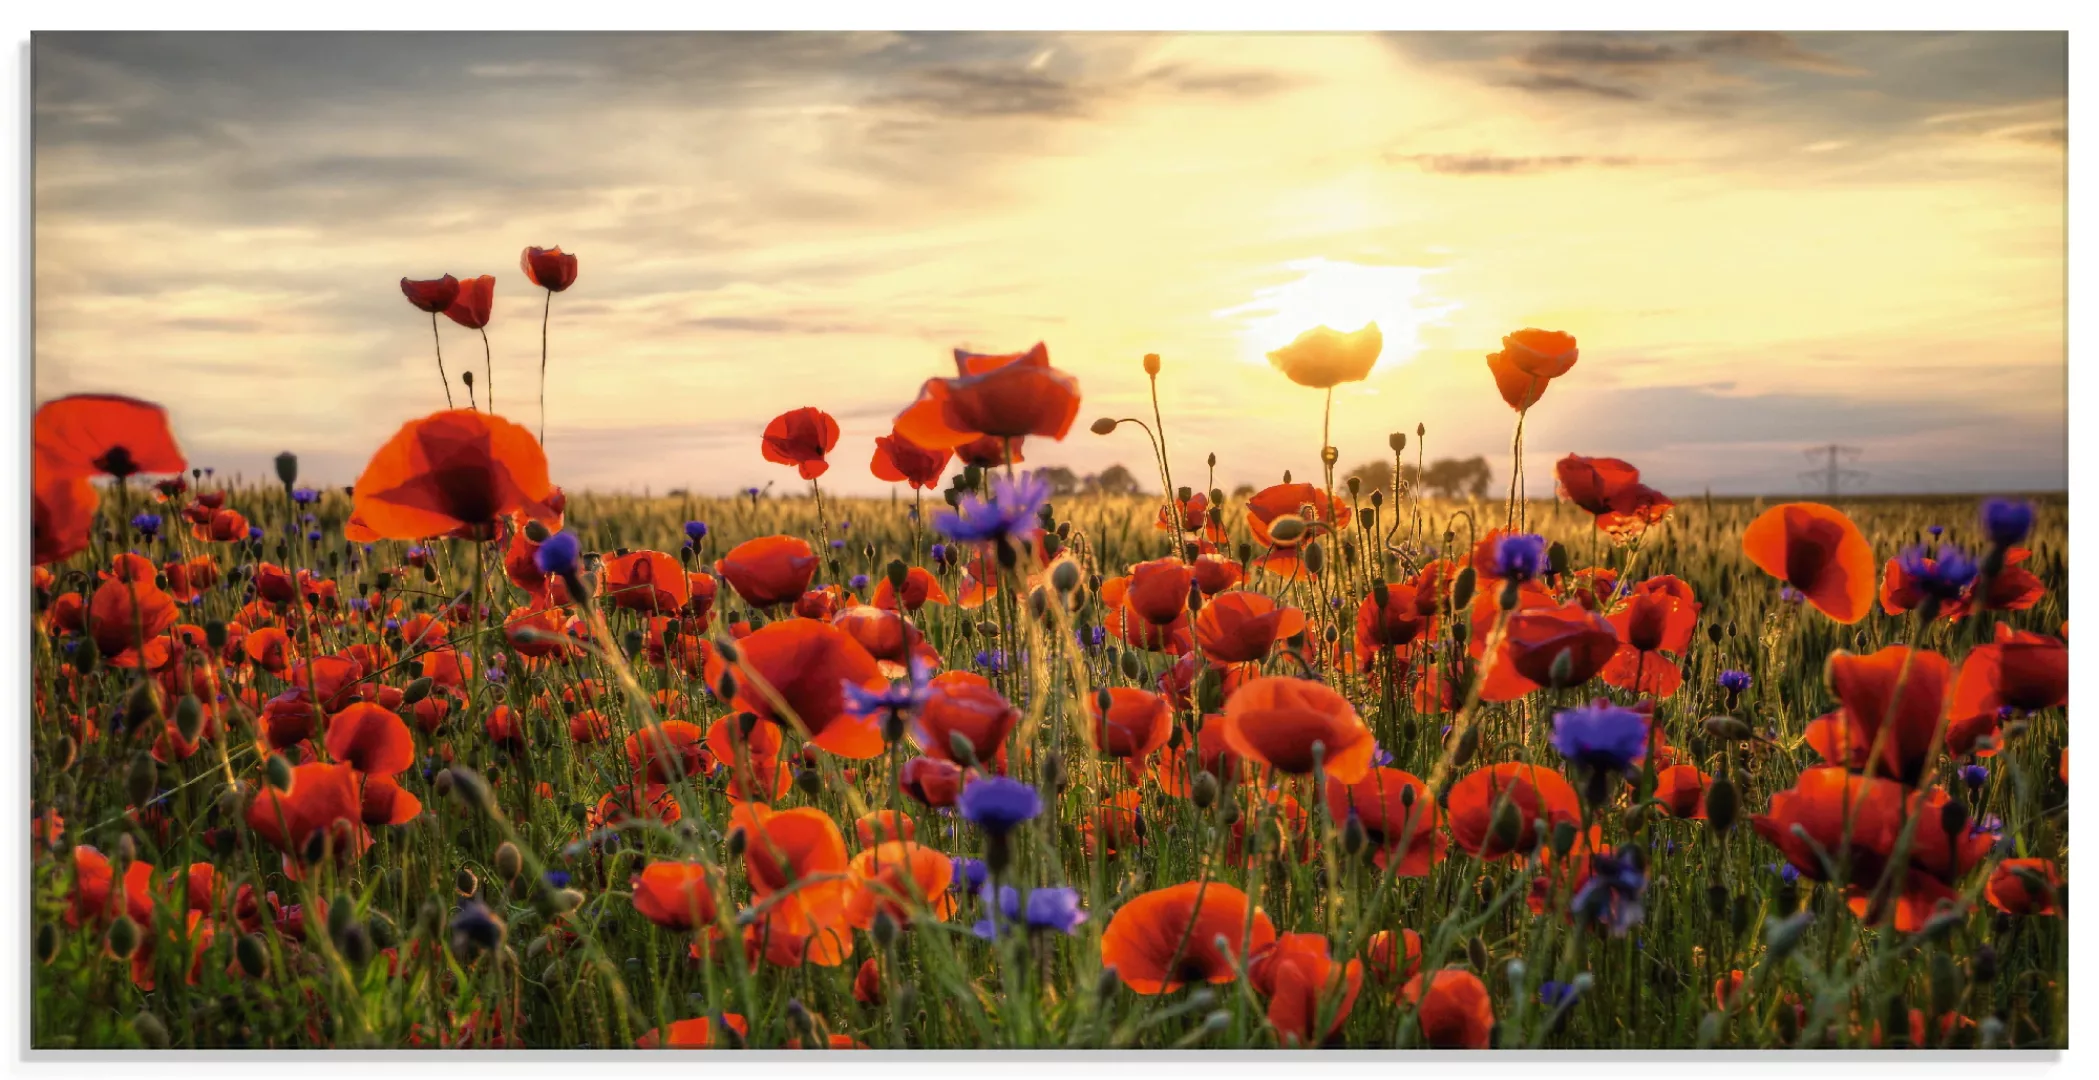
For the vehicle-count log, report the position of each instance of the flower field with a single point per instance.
(456, 758)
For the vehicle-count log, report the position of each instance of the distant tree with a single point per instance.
(1113, 480)
(1452, 478)
(1062, 481)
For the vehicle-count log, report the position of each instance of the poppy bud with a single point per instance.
(961, 749)
(85, 656)
(1468, 744)
(1203, 792)
(1287, 528)
(150, 1030)
(416, 691)
(509, 861)
(1461, 589)
(726, 688)
(884, 929)
(1397, 441)
(1721, 803)
(468, 786)
(1245, 552)
(1953, 817)
(808, 781)
(385, 934)
(1315, 557)
(357, 945)
(46, 942)
(1507, 826)
(1728, 729)
(1561, 674)
(1556, 559)
(1103, 426)
(1982, 965)
(1476, 953)
(140, 706)
(1065, 577)
(215, 633)
(1151, 364)
(252, 955)
(1563, 833)
(1228, 812)
(737, 842)
(123, 937)
(1053, 771)
(189, 717)
(1782, 936)
(1131, 667)
(631, 643)
(1353, 837)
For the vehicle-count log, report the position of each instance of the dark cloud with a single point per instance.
(1498, 165)
(1550, 83)
(975, 92)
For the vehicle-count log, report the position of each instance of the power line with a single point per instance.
(1831, 475)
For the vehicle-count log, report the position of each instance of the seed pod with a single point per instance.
(1353, 837)
(1228, 812)
(46, 942)
(1461, 590)
(1476, 953)
(140, 706)
(416, 691)
(1782, 936)
(961, 749)
(144, 776)
(215, 634)
(189, 717)
(1507, 824)
(884, 929)
(123, 937)
(1468, 744)
(1132, 667)
(808, 781)
(1563, 835)
(1721, 803)
(86, 656)
(1065, 577)
(1287, 529)
(510, 862)
(1203, 792)
(1953, 817)
(252, 954)
(1315, 557)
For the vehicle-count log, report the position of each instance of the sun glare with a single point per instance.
(1343, 296)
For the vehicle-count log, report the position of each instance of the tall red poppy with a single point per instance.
(103, 435)
(1164, 939)
(1241, 627)
(321, 795)
(801, 437)
(1819, 803)
(62, 517)
(770, 570)
(432, 294)
(2020, 670)
(551, 268)
(897, 878)
(453, 472)
(370, 739)
(1867, 687)
(2025, 887)
(796, 860)
(1532, 793)
(1538, 638)
(1398, 815)
(899, 460)
(1659, 616)
(993, 396)
(1278, 500)
(1137, 722)
(475, 302)
(647, 581)
(800, 664)
(1456, 1013)
(1528, 361)
(1611, 489)
(920, 588)
(1297, 726)
(1817, 550)
(963, 704)
(675, 895)
(1302, 983)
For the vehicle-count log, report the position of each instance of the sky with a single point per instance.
(1763, 242)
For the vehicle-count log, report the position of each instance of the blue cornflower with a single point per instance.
(1612, 894)
(494, 673)
(938, 553)
(970, 874)
(1790, 595)
(894, 706)
(1974, 775)
(1552, 994)
(313, 536)
(998, 804)
(696, 531)
(1601, 736)
(991, 660)
(1010, 516)
(1734, 682)
(2007, 521)
(859, 583)
(1987, 823)
(1054, 909)
(557, 554)
(837, 545)
(1942, 577)
(556, 878)
(1004, 909)
(1789, 873)
(148, 524)
(1519, 556)
(305, 495)
(360, 604)
(1936, 531)
(1379, 756)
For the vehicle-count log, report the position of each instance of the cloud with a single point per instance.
(1499, 165)
(1552, 83)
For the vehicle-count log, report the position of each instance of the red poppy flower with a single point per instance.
(125, 616)
(1528, 361)
(321, 795)
(1456, 1013)
(432, 294)
(668, 752)
(1132, 628)
(675, 895)
(98, 897)
(1164, 939)
(549, 268)
(103, 434)
(1822, 799)
(801, 663)
(2021, 670)
(993, 396)
(1532, 792)
(1682, 791)
(1392, 957)
(899, 460)
(1278, 721)
(1216, 573)
(1158, 590)
(900, 879)
(370, 739)
(1866, 687)
(1611, 490)
(457, 471)
(801, 437)
(1281, 500)
(647, 581)
(1817, 550)
(1137, 722)
(962, 703)
(475, 303)
(887, 636)
(1660, 614)
(1536, 639)
(930, 780)
(386, 802)
(62, 517)
(653, 801)
(752, 758)
(990, 452)
(1211, 753)
(883, 827)
(695, 1034)
(920, 588)
(2025, 887)
(1302, 984)
(1323, 358)
(1397, 813)
(1391, 625)
(770, 570)
(797, 859)
(1241, 627)
(2013, 588)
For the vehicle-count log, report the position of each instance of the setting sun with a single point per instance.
(1343, 296)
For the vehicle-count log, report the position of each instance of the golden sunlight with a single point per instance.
(1342, 296)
